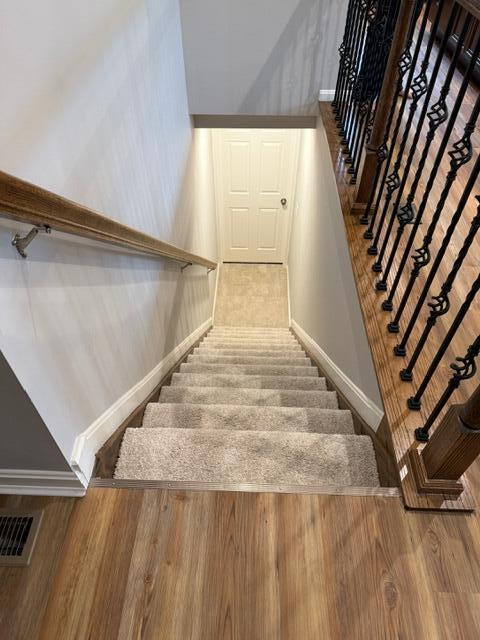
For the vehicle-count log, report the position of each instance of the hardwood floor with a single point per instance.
(24, 591)
(180, 565)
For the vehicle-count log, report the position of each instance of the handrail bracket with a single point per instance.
(21, 242)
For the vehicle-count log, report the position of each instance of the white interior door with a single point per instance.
(255, 177)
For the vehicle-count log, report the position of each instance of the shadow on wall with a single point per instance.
(289, 81)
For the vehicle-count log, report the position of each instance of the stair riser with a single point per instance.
(248, 369)
(271, 338)
(252, 397)
(205, 351)
(260, 345)
(259, 330)
(254, 360)
(249, 382)
(246, 418)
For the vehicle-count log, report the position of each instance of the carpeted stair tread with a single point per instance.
(212, 343)
(249, 369)
(248, 406)
(248, 382)
(221, 359)
(254, 397)
(261, 330)
(264, 353)
(247, 335)
(261, 457)
(253, 338)
(246, 418)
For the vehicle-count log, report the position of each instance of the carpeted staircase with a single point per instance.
(248, 407)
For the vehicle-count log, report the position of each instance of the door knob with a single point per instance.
(283, 201)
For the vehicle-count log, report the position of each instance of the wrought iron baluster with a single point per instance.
(346, 62)
(463, 371)
(460, 155)
(419, 88)
(406, 213)
(379, 42)
(352, 115)
(344, 108)
(415, 401)
(362, 93)
(356, 58)
(403, 65)
(342, 62)
(441, 302)
(437, 115)
(408, 63)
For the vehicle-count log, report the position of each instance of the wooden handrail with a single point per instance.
(25, 202)
(472, 6)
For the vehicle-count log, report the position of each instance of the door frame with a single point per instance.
(218, 187)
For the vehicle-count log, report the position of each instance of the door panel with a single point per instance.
(270, 167)
(267, 230)
(239, 228)
(254, 170)
(239, 167)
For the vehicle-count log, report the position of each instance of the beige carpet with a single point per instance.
(252, 295)
(248, 406)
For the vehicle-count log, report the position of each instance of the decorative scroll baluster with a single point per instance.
(406, 213)
(403, 65)
(342, 69)
(379, 41)
(437, 115)
(362, 94)
(461, 154)
(441, 305)
(463, 371)
(415, 401)
(410, 64)
(393, 182)
(352, 113)
(346, 63)
(351, 73)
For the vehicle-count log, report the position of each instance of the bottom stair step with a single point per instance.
(247, 418)
(259, 457)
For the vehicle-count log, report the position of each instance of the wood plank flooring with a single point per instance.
(180, 565)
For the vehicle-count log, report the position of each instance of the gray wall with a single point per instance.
(97, 112)
(323, 296)
(267, 57)
(26, 442)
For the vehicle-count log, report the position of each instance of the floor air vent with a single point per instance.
(18, 533)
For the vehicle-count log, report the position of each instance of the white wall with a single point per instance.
(269, 57)
(97, 111)
(323, 297)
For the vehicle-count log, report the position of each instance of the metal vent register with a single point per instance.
(18, 533)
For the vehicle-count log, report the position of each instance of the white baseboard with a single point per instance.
(87, 444)
(368, 410)
(33, 482)
(326, 95)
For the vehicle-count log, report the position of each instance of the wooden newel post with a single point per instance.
(383, 106)
(453, 447)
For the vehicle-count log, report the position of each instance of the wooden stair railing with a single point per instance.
(418, 175)
(454, 446)
(25, 202)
